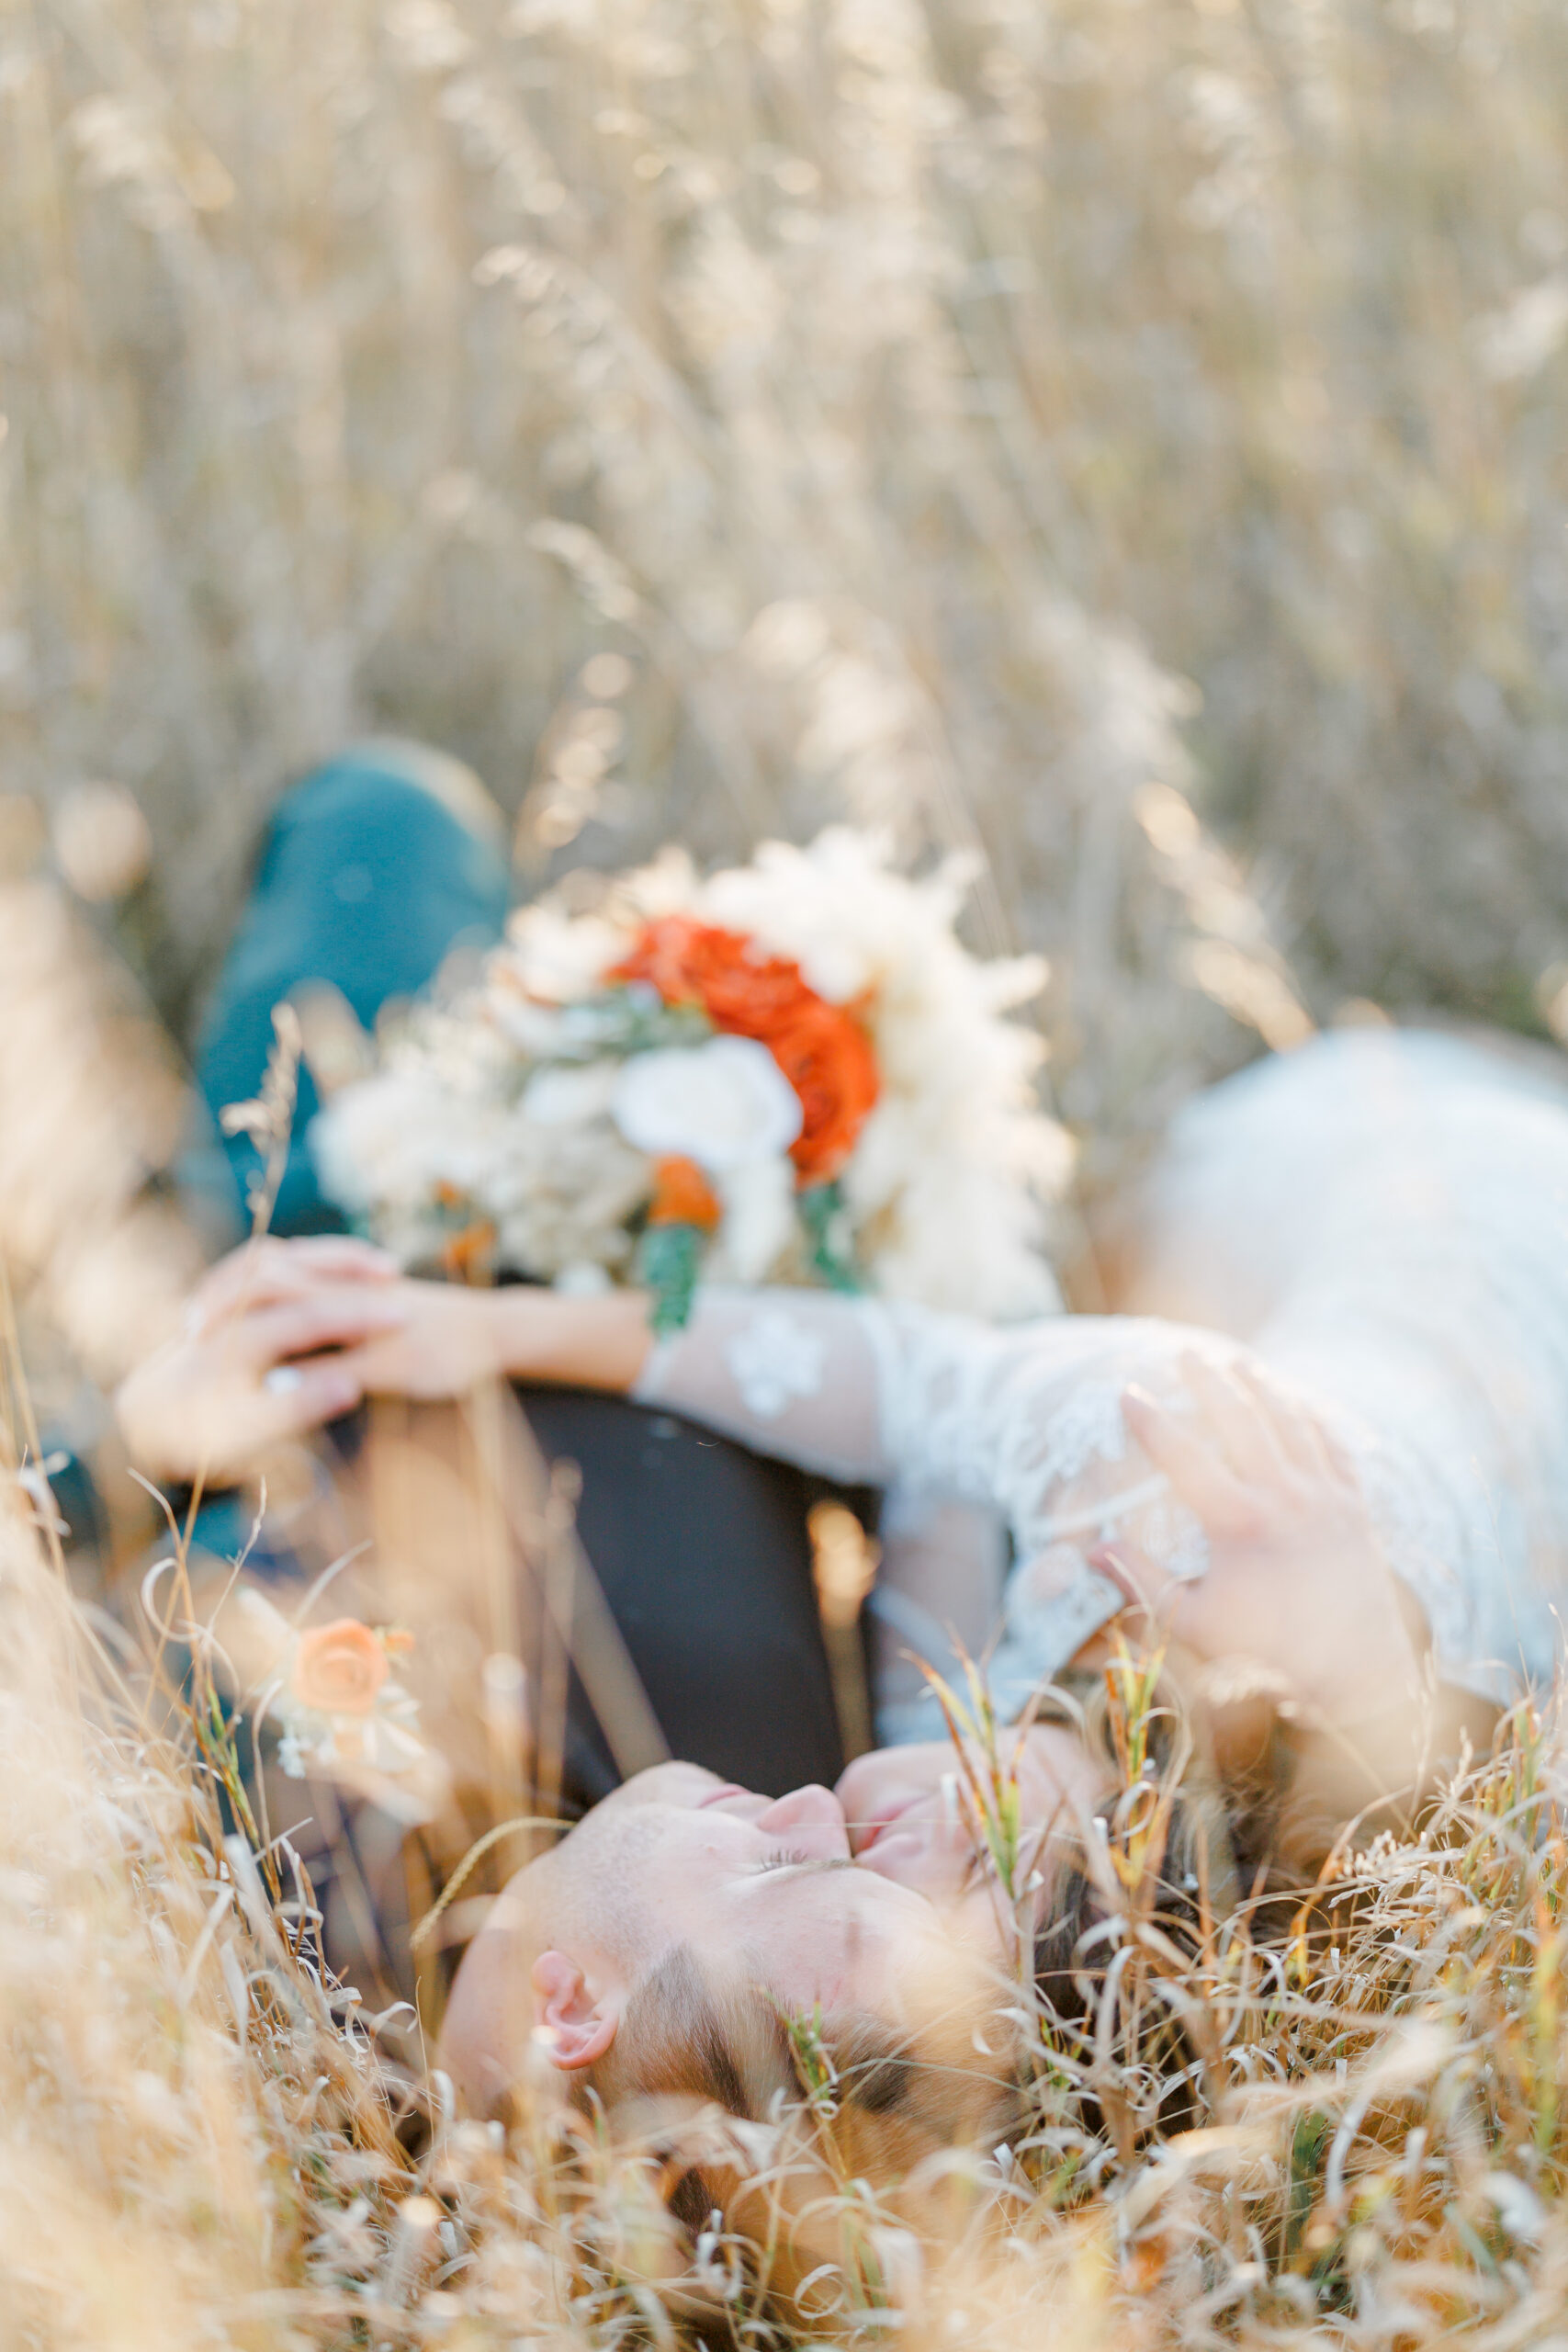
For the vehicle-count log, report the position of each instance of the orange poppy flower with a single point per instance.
(827, 1057)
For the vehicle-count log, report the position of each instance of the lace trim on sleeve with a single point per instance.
(775, 1360)
(1031, 1421)
(790, 1373)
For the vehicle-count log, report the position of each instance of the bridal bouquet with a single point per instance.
(789, 1071)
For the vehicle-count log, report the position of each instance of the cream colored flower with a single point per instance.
(565, 1098)
(760, 1223)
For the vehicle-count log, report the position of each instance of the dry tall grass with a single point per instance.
(1363, 2137)
(936, 404)
(198, 2146)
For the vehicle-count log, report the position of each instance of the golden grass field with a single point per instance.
(1121, 436)
(198, 2147)
(958, 415)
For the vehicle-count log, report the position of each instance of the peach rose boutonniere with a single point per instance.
(339, 1668)
(334, 1696)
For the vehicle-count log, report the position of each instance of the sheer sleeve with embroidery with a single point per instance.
(969, 1429)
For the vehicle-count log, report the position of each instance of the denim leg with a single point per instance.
(376, 867)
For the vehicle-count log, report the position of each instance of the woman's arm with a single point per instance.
(450, 1339)
(1297, 1581)
(282, 1336)
(797, 1374)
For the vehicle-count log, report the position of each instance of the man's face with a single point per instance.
(770, 1889)
(862, 1897)
(871, 1901)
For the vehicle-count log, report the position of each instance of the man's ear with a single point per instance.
(575, 2024)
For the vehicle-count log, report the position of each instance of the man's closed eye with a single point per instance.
(787, 1860)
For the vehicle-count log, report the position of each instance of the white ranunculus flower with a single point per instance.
(721, 1104)
(553, 957)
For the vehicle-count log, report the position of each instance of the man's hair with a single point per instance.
(687, 2042)
(681, 2037)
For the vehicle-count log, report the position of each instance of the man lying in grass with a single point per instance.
(940, 1877)
(663, 1948)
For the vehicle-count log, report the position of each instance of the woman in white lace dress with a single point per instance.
(1347, 1462)
(1377, 1225)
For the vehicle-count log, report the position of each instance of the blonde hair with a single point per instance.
(877, 2104)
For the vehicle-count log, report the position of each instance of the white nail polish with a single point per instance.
(283, 1379)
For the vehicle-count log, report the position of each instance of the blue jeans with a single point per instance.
(376, 867)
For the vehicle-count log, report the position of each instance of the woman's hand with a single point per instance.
(265, 1272)
(282, 1336)
(450, 1339)
(261, 1359)
(1298, 1581)
(447, 1342)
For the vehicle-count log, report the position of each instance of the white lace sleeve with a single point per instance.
(1021, 1427)
(1025, 1420)
(1385, 1215)
(787, 1373)
(1384, 1218)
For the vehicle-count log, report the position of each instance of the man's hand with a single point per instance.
(1298, 1581)
(266, 1272)
(259, 1360)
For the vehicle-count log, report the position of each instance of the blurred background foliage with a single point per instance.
(1121, 436)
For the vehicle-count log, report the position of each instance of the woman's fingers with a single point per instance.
(1238, 1419)
(339, 1258)
(1192, 1462)
(1313, 1450)
(1285, 1426)
(303, 1395)
(383, 1366)
(1294, 1430)
(340, 1317)
(1303, 1443)
(268, 1270)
